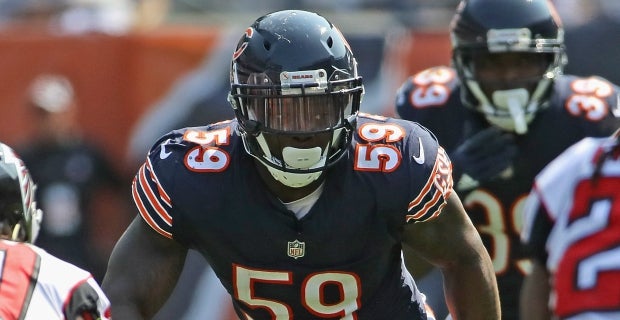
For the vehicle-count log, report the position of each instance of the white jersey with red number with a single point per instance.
(574, 221)
(36, 285)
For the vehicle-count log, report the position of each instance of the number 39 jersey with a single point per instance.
(572, 224)
(342, 260)
(578, 107)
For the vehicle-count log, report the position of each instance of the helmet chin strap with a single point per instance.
(295, 158)
(15, 234)
(515, 100)
(299, 159)
(512, 101)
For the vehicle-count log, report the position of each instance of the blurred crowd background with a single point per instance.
(134, 69)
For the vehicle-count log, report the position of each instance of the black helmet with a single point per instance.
(293, 73)
(488, 27)
(19, 214)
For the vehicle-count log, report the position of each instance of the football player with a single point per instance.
(76, 181)
(502, 112)
(300, 205)
(571, 219)
(33, 283)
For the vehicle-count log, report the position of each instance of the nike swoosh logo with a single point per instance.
(162, 151)
(420, 158)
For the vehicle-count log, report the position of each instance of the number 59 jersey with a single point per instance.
(342, 260)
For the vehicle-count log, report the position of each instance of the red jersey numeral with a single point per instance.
(589, 272)
(19, 269)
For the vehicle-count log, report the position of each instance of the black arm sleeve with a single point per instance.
(83, 303)
(536, 246)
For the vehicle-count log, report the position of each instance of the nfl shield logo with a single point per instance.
(296, 249)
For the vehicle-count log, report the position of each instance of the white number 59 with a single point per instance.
(312, 292)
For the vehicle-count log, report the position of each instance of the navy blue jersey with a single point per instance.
(578, 107)
(340, 261)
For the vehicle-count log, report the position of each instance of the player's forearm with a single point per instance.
(471, 291)
(124, 301)
(129, 312)
(535, 294)
(135, 296)
(135, 292)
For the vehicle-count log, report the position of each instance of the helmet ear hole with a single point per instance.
(330, 42)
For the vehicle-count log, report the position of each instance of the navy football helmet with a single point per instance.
(20, 219)
(528, 30)
(293, 75)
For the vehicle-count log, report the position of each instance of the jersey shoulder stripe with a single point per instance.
(146, 180)
(19, 272)
(147, 202)
(162, 193)
(429, 202)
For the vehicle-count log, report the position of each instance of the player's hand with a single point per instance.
(485, 155)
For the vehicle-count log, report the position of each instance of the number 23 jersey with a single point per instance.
(572, 225)
(340, 261)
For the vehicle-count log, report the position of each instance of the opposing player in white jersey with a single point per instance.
(572, 228)
(33, 283)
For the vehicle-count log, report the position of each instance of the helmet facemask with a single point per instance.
(12, 222)
(483, 31)
(20, 219)
(508, 103)
(316, 110)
